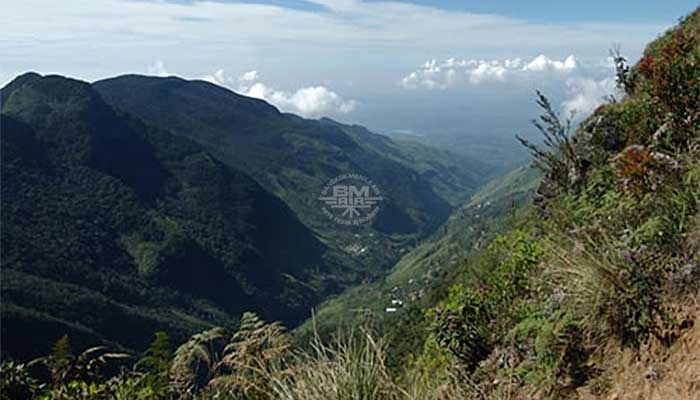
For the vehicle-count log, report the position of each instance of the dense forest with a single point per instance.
(580, 281)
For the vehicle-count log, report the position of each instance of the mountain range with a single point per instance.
(139, 204)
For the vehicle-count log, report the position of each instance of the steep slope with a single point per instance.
(112, 229)
(594, 291)
(453, 177)
(294, 158)
(421, 275)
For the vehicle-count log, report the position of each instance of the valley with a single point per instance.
(185, 231)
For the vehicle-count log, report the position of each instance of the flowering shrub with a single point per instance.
(672, 78)
(634, 168)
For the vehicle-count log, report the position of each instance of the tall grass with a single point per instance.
(611, 291)
(351, 367)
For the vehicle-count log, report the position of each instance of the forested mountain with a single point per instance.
(579, 282)
(295, 157)
(156, 233)
(112, 229)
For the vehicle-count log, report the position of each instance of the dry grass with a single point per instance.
(655, 371)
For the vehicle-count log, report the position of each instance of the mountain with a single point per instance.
(295, 158)
(495, 149)
(113, 229)
(422, 273)
(454, 177)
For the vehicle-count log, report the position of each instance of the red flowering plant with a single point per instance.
(635, 166)
(672, 77)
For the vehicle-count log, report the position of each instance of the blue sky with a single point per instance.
(563, 11)
(427, 66)
(537, 10)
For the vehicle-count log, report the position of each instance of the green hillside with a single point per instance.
(452, 176)
(421, 275)
(592, 291)
(579, 282)
(295, 157)
(112, 229)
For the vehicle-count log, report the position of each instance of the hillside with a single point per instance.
(452, 176)
(582, 282)
(420, 277)
(112, 229)
(295, 157)
(593, 291)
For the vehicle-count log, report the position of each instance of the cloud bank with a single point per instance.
(441, 75)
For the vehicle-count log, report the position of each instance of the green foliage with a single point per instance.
(623, 74)
(470, 321)
(351, 368)
(600, 265)
(428, 268)
(537, 306)
(76, 390)
(293, 157)
(195, 362)
(158, 356)
(671, 74)
(132, 230)
(16, 383)
(87, 367)
(462, 327)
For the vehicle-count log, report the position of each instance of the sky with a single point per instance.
(459, 67)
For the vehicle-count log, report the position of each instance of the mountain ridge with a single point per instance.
(294, 157)
(97, 200)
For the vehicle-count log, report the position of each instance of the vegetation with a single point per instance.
(294, 158)
(607, 265)
(129, 230)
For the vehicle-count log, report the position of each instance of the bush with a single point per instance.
(612, 290)
(672, 77)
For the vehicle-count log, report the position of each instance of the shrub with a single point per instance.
(558, 160)
(612, 290)
(15, 382)
(634, 167)
(672, 77)
(462, 326)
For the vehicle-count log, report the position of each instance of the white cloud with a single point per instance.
(586, 94)
(486, 71)
(542, 63)
(430, 76)
(158, 69)
(297, 46)
(441, 75)
(249, 76)
(57, 38)
(217, 78)
(311, 102)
